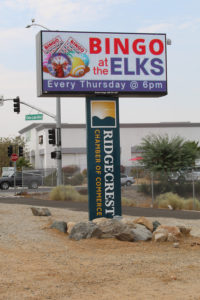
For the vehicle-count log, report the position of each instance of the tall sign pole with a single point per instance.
(58, 142)
(103, 157)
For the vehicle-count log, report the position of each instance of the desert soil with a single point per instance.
(38, 263)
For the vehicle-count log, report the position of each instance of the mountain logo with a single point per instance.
(103, 114)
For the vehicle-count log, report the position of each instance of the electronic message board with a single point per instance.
(98, 63)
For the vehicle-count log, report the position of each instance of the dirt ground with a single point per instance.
(41, 263)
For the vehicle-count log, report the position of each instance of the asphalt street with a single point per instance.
(76, 206)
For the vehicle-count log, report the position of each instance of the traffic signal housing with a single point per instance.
(53, 155)
(52, 136)
(10, 150)
(20, 151)
(16, 105)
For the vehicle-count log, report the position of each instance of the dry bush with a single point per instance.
(175, 201)
(66, 193)
(190, 204)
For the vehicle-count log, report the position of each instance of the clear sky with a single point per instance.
(179, 19)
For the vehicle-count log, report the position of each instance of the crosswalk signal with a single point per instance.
(21, 151)
(10, 150)
(52, 136)
(16, 105)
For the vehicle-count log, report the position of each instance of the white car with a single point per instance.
(127, 180)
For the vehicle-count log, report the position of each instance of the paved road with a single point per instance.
(131, 211)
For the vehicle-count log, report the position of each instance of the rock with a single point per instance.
(171, 229)
(155, 225)
(37, 211)
(60, 225)
(160, 235)
(85, 230)
(171, 238)
(184, 229)
(99, 220)
(176, 245)
(145, 222)
(110, 227)
(70, 225)
(141, 233)
(129, 222)
(126, 235)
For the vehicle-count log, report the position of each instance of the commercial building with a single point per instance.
(74, 141)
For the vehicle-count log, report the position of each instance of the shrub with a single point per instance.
(190, 204)
(175, 201)
(77, 179)
(64, 193)
(70, 170)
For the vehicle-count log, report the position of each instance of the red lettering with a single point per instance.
(107, 45)
(95, 47)
(118, 44)
(160, 47)
(139, 49)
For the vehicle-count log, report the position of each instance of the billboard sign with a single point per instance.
(89, 63)
(103, 157)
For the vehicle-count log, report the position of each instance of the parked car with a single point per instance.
(185, 175)
(127, 180)
(31, 180)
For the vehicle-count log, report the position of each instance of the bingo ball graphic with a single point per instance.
(84, 58)
(59, 65)
(78, 67)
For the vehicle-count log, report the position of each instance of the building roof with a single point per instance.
(41, 126)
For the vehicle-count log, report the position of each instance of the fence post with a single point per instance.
(193, 191)
(152, 189)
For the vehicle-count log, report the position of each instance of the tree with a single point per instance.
(23, 162)
(4, 143)
(164, 154)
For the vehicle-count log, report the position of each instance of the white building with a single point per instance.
(74, 141)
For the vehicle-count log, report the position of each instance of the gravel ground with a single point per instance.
(40, 263)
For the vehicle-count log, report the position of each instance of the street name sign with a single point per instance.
(34, 117)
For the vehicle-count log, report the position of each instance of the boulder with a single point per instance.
(59, 225)
(155, 225)
(126, 235)
(171, 238)
(110, 227)
(84, 230)
(70, 225)
(141, 233)
(38, 211)
(185, 230)
(160, 235)
(129, 222)
(171, 229)
(145, 222)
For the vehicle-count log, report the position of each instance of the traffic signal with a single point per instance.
(52, 136)
(16, 105)
(53, 155)
(10, 150)
(20, 150)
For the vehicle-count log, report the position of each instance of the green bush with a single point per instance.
(66, 193)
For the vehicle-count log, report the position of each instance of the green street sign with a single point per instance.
(34, 117)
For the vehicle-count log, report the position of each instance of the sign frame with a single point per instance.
(133, 88)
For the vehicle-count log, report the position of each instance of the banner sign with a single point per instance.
(103, 157)
(86, 63)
